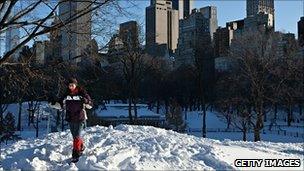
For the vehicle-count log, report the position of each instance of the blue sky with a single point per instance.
(287, 12)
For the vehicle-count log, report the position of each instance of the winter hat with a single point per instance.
(73, 80)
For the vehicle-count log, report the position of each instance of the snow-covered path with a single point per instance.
(141, 148)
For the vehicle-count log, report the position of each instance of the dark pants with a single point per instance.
(76, 128)
(78, 146)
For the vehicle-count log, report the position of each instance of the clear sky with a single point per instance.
(287, 12)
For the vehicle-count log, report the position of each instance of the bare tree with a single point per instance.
(34, 24)
(256, 54)
(133, 66)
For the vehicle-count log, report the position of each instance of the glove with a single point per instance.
(84, 100)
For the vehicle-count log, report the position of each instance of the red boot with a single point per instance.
(78, 147)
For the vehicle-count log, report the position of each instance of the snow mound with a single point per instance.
(140, 148)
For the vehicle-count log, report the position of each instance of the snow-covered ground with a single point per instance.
(193, 121)
(142, 148)
(120, 110)
(213, 122)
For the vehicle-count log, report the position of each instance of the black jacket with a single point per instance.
(73, 103)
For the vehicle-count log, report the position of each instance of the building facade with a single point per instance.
(161, 28)
(75, 36)
(2, 39)
(258, 22)
(42, 51)
(260, 6)
(128, 33)
(12, 37)
(222, 41)
(301, 32)
(184, 7)
(195, 44)
(210, 12)
(286, 41)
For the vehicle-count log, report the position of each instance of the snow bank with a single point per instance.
(141, 148)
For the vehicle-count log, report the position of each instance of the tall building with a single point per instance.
(286, 41)
(2, 38)
(223, 37)
(195, 45)
(210, 12)
(75, 36)
(42, 51)
(260, 6)
(12, 37)
(184, 7)
(195, 41)
(54, 44)
(259, 21)
(128, 33)
(301, 32)
(161, 28)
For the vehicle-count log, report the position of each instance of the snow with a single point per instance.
(120, 110)
(194, 120)
(213, 123)
(128, 147)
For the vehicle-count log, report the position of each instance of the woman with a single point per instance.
(74, 103)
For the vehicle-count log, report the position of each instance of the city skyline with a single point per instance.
(227, 11)
(287, 13)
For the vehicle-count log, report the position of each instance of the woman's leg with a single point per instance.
(78, 142)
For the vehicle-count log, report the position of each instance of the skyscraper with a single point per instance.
(260, 6)
(12, 37)
(195, 41)
(161, 28)
(195, 45)
(128, 32)
(184, 7)
(210, 12)
(223, 37)
(2, 39)
(75, 36)
(301, 32)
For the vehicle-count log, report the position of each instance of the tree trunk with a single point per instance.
(130, 110)
(1, 122)
(265, 117)
(62, 121)
(157, 106)
(244, 134)
(1, 112)
(37, 126)
(275, 112)
(228, 122)
(258, 127)
(135, 109)
(259, 122)
(19, 117)
(57, 120)
(199, 106)
(301, 109)
(289, 117)
(166, 107)
(204, 119)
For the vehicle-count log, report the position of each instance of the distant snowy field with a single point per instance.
(141, 148)
(194, 120)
